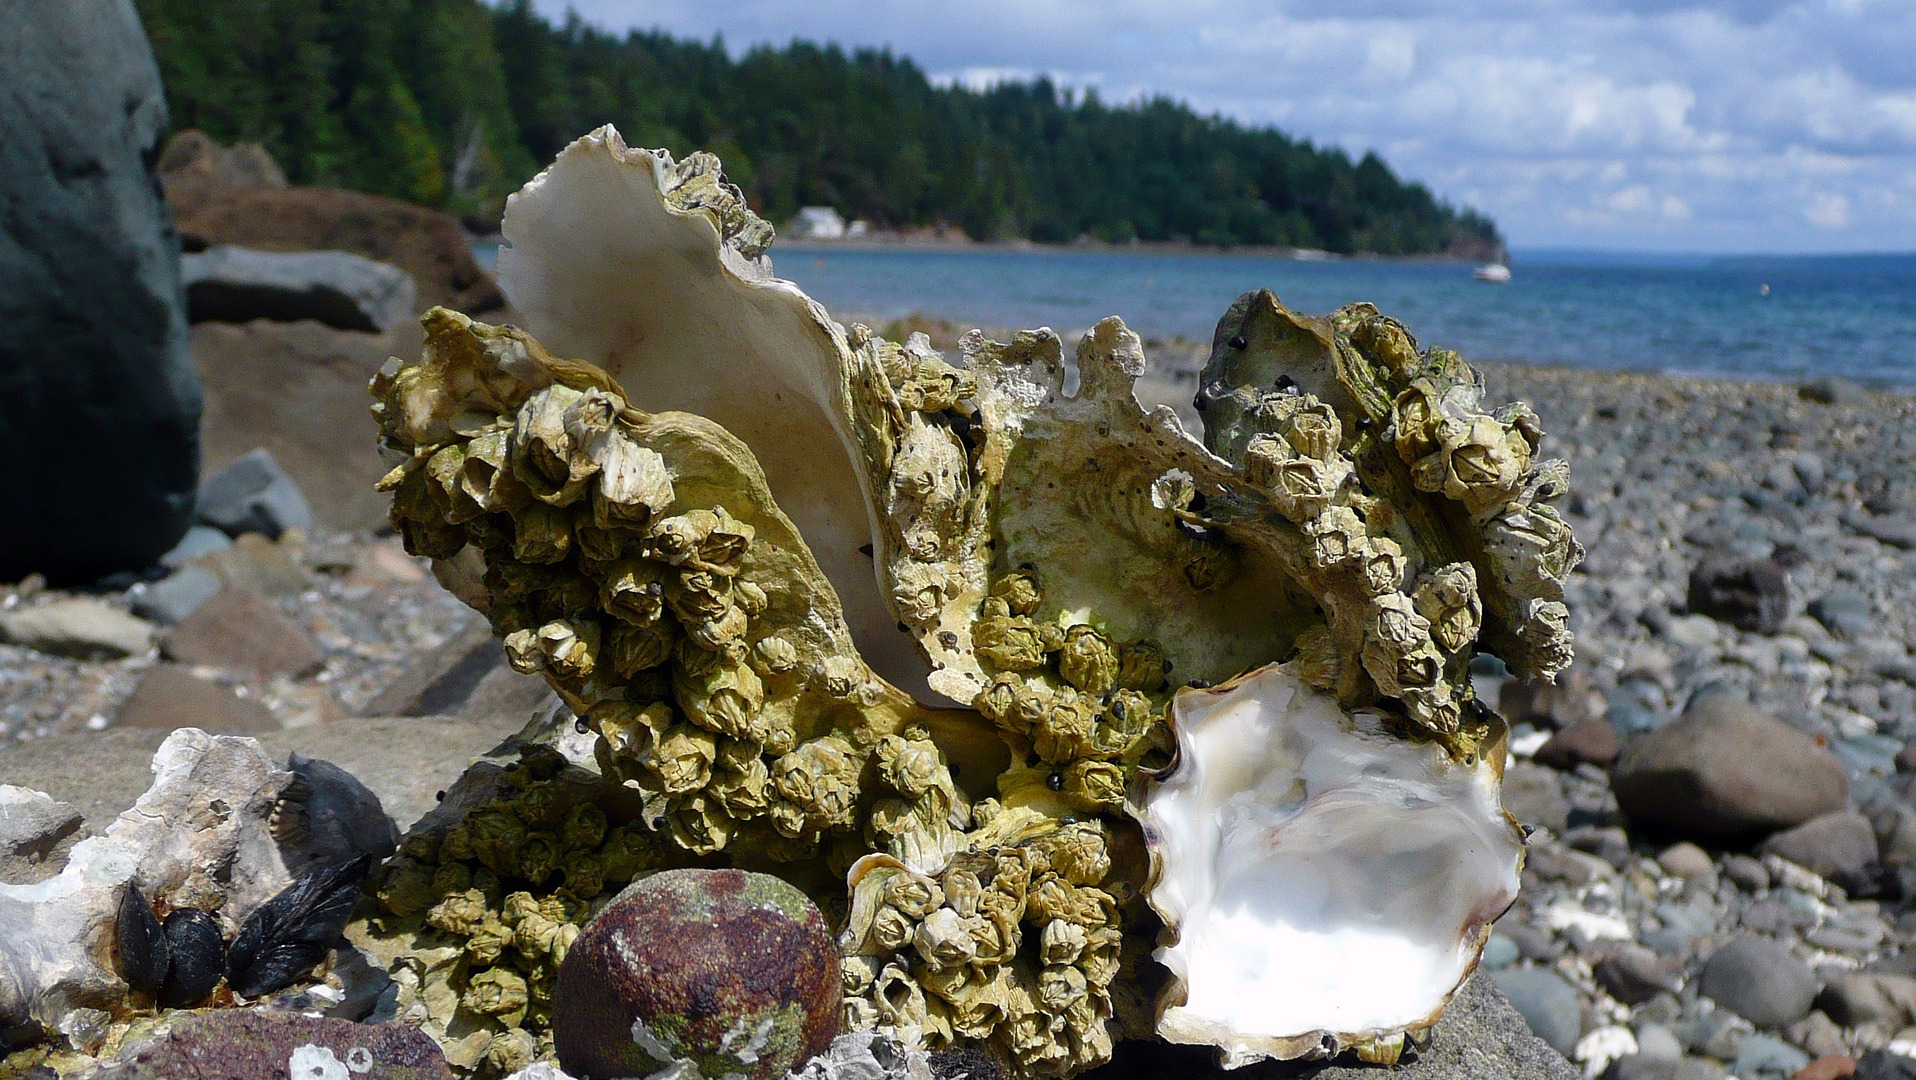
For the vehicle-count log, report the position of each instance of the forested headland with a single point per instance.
(455, 103)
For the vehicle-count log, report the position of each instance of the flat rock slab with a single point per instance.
(172, 697)
(224, 1044)
(240, 630)
(338, 288)
(466, 675)
(79, 628)
(406, 761)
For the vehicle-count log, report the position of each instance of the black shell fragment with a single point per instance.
(282, 940)
(142, 942)
(197, 955)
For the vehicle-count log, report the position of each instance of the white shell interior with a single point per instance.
(1323, 877)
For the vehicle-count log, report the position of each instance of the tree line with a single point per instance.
(455, 103)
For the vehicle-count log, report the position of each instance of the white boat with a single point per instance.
(1492, 272)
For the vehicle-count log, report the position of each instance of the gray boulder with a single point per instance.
(99, 404)
(338, 288)
(1725, 769)
(253, 494)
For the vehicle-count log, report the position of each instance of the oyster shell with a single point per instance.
(749, 546)
(1325, 883)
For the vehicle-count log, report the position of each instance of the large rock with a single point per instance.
(299, 390)
(99, 406)
(338, 288)
(1724, 769)
(429, 245)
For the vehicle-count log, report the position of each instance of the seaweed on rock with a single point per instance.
(748, 546)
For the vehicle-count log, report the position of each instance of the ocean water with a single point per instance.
(1853, 316)
(1782, 318)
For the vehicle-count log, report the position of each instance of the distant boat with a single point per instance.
(1497, 273)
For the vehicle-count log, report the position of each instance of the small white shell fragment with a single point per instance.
(1328, 882)
(1598, 1049)
(1566, 915)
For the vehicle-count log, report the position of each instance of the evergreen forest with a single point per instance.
(455, 103)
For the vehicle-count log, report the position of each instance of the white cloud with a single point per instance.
(1828, 210)
(1692, 124)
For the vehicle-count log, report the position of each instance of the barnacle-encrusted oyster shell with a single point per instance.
(750, 546)
(1325, 882)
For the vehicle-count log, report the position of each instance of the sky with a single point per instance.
(1722, 126)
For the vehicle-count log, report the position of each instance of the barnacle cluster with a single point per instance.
(747, 545)
(484, 897)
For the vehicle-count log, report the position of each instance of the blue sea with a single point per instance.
(1743, 317)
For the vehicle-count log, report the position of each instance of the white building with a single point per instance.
(817, 223)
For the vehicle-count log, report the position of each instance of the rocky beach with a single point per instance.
(1723, 849)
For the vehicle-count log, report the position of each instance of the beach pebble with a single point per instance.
(1685, 860)
(176, 596)
(1834, 845)
(1534, 796)
(1749, 874)
(1592, 740)
(1725, 768)
(1844, 611)
(1831, 1066)
(34, 826)
(79, 628)
(1767, 1056)
(199, 540)
(1749, 594)
(1548, 1004)
(1499, 952)
(1633, 974)
(1818, 1034)
(1885, 1065)
(1865, 997)
(1759, 980)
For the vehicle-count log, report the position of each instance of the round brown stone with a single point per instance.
(732, 971)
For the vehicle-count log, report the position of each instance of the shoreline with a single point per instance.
(947, 246)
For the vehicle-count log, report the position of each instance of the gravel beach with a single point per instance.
(1722, 872)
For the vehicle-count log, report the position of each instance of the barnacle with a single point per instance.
(834, 607)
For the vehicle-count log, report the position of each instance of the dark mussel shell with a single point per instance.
(283, 938)
(198, 958)
(142, 945)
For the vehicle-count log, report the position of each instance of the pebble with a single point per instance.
(1759, 980)
(1548, 1004)
(1592, 740)
(1499, 952)
(171, 599)
(199, 540)
(1832, 1066)
(1838, 844)
(1685, 860)
(1865, 997)
(1634, 975)
(1767, 1056)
